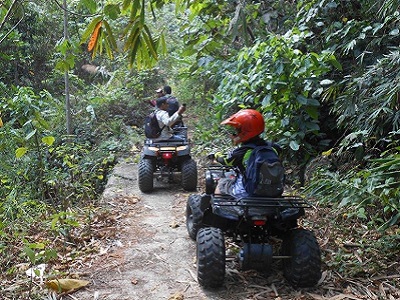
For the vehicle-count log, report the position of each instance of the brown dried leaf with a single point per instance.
(177, 296)
(66, 285)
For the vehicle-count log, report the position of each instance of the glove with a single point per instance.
(218, 155)
(211, 156)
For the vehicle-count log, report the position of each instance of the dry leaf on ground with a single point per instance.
(66, 285)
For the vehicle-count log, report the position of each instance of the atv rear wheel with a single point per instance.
(189, 175)
(303, 268)
(145, 175)
(210, 257)
(194, 215)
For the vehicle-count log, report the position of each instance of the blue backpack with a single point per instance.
(264, 175)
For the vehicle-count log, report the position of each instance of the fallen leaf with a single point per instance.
(344, 296)
(66, 285)
(316, 297)
(174, 224)
(177, 296)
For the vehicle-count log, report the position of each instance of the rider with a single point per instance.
(248, 124)
(165, 121)
(159, 93)
(173, 104)
(172, 101)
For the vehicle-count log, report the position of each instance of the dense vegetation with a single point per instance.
(323, 72)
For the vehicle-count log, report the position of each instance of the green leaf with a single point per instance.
(312, 126)
(142, 12)
(20, 152)
(49, 140)
(394, 32)
(31, 255)
(126, 4)
(39, 246)
(112, 10)
(30, 134)
(90, 5)
(266, 100)
(62, 66)
(302, 100)
(133, 36)
(313, 102)
(54, 221)
(335, 63)
(294, 145)
(312, 112)
(110, 35)
(149, 41)
(326, 82)
(344, 202)
(361, 213)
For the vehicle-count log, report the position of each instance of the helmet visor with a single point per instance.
(231, 131)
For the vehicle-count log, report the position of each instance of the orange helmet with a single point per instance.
(248, 124)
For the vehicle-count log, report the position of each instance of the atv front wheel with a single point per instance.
(194, 215)
(210, 257)
(189, 175)
(145, 175)
(303, 268)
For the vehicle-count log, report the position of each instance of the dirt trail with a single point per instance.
(154, 258)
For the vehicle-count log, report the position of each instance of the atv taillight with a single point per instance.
(259, 221)
(167, 155)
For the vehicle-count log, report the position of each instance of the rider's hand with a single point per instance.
(217, 155)
(181, 110)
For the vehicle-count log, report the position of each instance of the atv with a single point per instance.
(262, 228)
(162, 159)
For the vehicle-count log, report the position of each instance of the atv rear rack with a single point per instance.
(165, 143)
(261, 202)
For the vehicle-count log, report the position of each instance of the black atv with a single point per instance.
(263, 228)
(161, 159)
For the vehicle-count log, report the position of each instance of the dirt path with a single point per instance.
(153, 257)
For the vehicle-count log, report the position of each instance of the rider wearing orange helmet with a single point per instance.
(248, 125)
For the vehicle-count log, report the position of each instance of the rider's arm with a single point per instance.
(233, 158)
(166, 120)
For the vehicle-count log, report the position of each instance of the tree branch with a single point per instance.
(5, 19)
